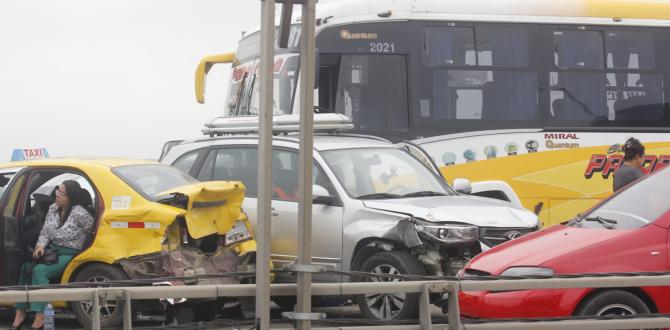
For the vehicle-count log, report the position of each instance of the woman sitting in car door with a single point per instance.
(67, 226)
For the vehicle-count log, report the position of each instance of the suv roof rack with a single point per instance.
(323, 122)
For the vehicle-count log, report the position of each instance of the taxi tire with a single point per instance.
(110, 273)
(597, 302)
(406, 264)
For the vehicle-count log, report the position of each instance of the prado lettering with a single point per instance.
(606, 165)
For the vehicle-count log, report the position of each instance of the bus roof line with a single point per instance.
(546, 20)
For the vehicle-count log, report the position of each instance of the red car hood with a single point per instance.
(538, 248)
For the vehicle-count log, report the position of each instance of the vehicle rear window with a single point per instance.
(151, 179)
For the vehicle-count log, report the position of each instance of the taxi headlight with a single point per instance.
(449, 233)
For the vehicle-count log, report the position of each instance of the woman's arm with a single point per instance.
(85, 220)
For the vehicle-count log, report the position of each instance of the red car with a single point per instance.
(629, 232)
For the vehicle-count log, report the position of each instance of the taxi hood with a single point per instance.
(483, 212)
(209, 207)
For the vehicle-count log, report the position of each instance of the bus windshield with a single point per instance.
(243, 93)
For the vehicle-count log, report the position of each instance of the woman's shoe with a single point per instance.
(40, 328)
(18, 327)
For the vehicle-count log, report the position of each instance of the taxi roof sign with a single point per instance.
(29, 153)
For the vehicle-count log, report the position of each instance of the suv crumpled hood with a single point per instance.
(483, 212)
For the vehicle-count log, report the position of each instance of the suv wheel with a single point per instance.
(111, 311)
(390, 306)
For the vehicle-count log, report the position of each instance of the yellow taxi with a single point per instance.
(151, 221)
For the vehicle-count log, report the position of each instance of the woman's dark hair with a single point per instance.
(73, 193)
(632, 148)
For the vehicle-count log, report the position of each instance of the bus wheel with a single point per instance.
(111, 311)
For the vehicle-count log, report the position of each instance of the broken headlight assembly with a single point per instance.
(448, 233)
(239, 233)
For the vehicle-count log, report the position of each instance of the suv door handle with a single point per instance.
(274, 212)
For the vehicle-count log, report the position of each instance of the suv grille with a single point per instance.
(493, 236)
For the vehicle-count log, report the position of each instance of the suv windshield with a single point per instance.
(638, 205)
(150, 179)
(377, 173)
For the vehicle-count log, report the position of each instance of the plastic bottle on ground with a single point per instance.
(49, 317)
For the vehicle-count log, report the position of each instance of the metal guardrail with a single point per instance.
(424, 288)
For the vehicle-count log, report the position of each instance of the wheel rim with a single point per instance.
(616, 309)
(385, 306)
(107, 307)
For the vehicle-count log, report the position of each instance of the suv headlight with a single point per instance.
(528, 271)
(449, 233)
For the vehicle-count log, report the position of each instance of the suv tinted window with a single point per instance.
(232, 164)
(185, 162)
(241, 164)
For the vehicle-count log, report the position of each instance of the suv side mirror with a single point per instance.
(322, 196)
(463, 186)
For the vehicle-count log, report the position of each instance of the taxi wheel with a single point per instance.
(613, 303)
(390, 306)
(111, 311)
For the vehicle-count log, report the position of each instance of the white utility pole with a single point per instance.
(307, 73)
(264, 176)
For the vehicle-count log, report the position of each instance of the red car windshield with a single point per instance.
(637, 206)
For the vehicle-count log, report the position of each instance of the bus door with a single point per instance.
(371, 89)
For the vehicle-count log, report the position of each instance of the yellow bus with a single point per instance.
(538, 94)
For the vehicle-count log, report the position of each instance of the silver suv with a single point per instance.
(376, 209)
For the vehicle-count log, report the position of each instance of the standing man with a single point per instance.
(631, 169)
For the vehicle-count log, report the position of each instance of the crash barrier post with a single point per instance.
(423, 288)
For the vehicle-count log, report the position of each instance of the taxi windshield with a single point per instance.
(151, 179)
(380, 173)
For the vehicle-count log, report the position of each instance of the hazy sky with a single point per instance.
(111, 77)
